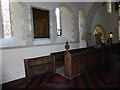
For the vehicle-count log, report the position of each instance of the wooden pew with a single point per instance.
(38, 65)
(77, 61)
(115, 48)
(58, 59)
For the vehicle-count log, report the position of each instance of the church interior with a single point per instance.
(59, 45)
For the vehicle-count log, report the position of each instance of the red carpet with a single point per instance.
(103, 76)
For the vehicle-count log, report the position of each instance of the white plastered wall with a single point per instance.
(13, 58)
(0, 50)
(108, 21)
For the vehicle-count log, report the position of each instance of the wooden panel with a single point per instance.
(41, 23)
(75, 65)
(106, 53)
(59, 59)
(36, 66)
(67, 65)
(81, 60)
(115, 49)
(39, 60)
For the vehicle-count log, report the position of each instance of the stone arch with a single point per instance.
(89, 18)
(98, 30)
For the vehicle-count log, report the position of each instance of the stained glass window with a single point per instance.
(6, 18)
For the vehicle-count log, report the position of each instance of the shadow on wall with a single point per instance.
(26, 29)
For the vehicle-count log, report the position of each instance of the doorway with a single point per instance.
(99, 34)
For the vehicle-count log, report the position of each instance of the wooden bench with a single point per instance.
(73, 61)
(80, 60)
(38, 65)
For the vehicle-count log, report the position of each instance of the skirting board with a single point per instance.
(12, 76)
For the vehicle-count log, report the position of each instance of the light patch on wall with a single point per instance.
(67, 23)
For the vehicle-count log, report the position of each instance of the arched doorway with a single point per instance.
(99, 34)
